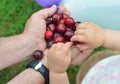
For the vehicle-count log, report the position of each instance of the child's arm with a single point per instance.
(94, 36)
(59, 58)
(112, 39)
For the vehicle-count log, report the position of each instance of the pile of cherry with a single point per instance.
(59, 28)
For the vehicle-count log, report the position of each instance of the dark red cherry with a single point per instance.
(75, 42)
(51, 27)
(69, 22)
(38, 54)
(49, 44)
(61, 28)
(76, 24)
(49, 35)
(62, 21)
(56, 18)
(68, 34)
(59, 39)
(56, 34)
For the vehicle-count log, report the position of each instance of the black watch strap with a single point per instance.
(38, 66)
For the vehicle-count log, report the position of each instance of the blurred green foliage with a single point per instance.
(13, 16)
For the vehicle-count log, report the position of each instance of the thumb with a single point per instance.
(45, 13)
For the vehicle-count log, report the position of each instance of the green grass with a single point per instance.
(13, 16)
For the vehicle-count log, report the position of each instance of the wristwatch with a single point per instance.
(38, 66)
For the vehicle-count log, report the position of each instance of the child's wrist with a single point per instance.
(104, 37)
(57, 73)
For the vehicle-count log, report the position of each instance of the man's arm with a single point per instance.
(15, 49)
(18, 48)
(28, 76)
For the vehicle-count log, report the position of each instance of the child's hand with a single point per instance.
(59, 57)
(90, 35)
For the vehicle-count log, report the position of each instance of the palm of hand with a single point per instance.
(78, 57)
(35, 28)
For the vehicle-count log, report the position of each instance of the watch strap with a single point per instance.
(38, 66)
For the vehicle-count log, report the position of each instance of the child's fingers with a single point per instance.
(67, 46)
(82, 26)
(53, 47)
(79, 32)
(61, 9)
(59, 46)
(79, 38)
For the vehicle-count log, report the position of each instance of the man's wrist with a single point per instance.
(41, 68)
(31, 40)
(36, 74)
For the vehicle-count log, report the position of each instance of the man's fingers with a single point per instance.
(67, 12)
(45, 13)
(61, 9)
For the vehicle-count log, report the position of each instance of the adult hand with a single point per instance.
(79, 56)
(36, 25)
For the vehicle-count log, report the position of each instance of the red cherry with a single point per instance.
(61, 28)
(76, 24)
(56, 18)
(56, 34)
(38, 54)
(52, 27)
(75, 42)
(48, 35)
(68, 34)
(59, 39)
(69, 22)
(62, 21)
